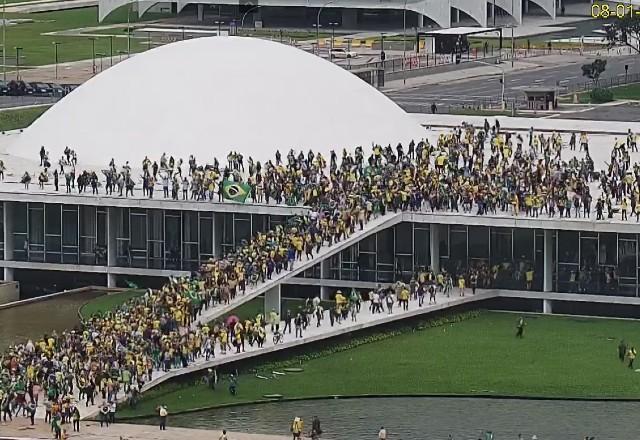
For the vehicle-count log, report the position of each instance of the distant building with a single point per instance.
(351, 13)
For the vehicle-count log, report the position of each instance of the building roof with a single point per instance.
(210, 96)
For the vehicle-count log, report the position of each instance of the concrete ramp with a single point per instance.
(374, 226)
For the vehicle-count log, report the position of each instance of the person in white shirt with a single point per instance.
(382, 434)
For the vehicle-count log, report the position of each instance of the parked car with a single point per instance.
(41, 89)
(343, 54)
(56, 89)
(19, 88)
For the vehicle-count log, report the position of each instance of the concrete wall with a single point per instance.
(9, 292)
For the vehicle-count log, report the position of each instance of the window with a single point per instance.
(627, 258)
(206, 237)
(404, 238)
(478, 242)
(421, 248)
(385, 248)
(608, 248)
(568, 247)
(501, 242)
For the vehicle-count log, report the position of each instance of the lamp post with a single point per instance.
(18, 49)
(404, 42)
(55, 55)
(318, 23)
(128, 31)
(93, 52)
(245, 14)
(333, 25)
(110, 50)
(502, 80)
(4, 40)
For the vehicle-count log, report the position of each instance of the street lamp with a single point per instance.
(219, 23)
(55, 55)
(501, 79)
(93, 52)
(318, 23)
(245, 14)
(4, 34)
(110, 50)
(18, 49)
(333, 35)
(404, 42)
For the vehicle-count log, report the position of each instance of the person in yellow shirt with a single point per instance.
(461, 284)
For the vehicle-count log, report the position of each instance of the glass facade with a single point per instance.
(390, 255)
(501, 256)
(601, 263)
(144, 238)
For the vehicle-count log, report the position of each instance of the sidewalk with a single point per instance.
(523, 124)
(20, 429)
(458, 75)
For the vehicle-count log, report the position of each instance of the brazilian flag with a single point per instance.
(236, 191)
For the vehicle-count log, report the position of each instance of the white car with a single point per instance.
(343, 54)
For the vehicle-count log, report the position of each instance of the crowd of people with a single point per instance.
(457, 173)
(481, 169)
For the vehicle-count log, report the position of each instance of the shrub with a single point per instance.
(599, 95)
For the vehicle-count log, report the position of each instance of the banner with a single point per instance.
(236, 191)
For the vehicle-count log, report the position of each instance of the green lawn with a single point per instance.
(20, 118)
(629, 91)
(558, 357)
(38, 49)
(109, 302)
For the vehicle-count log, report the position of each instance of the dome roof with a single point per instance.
(209, 96)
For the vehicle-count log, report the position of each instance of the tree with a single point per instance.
(594, 70)
(625, 31)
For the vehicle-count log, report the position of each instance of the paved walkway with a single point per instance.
(91, 430)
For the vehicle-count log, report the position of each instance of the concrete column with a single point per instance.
(547, 306)
(217, 236)
(7, 214)
(420, 21)
(434, 246)
(272, 300)
(526, 6)
(200, 12)
(349, 18)
(547, 284)
(111, 236)
(111, 280)
(325, 291)
(456, 17)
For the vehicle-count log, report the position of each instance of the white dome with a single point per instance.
(209, 96)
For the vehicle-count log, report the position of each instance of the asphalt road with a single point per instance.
(477, 90)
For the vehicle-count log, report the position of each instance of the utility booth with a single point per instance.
(541, 99)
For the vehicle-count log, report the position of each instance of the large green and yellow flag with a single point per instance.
(236, 191)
